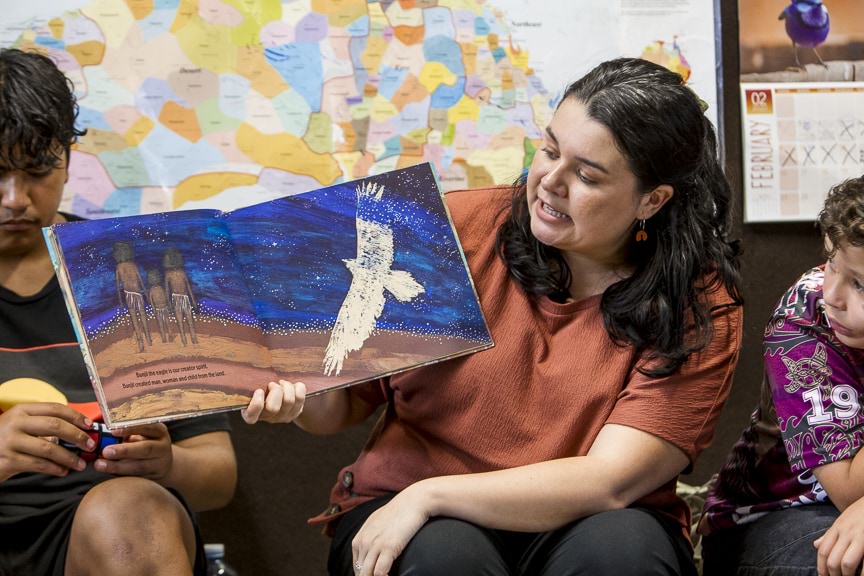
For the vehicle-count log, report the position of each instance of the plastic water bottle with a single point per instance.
(216, 565)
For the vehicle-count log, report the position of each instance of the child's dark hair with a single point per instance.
(38, 111)
(842, 217)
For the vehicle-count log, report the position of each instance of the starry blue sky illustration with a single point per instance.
(288, 255)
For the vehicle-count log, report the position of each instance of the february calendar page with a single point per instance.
(798, 140)
(801, 68)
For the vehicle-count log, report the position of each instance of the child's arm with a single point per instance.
(843, 480)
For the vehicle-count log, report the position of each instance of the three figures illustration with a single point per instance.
(172, 300)
(168, 292)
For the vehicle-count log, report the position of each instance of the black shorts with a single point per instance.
(37, 544)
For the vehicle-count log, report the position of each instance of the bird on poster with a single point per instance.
(807, 24)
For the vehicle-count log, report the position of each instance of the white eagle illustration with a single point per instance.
(372, 275)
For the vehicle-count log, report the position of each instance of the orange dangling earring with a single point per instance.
(641, 235)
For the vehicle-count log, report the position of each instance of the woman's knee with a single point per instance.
(450, 547)
(629, 541)
(443, 546)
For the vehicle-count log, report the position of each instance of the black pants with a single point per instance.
(630, 542)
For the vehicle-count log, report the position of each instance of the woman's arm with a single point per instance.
(623, 465)
(334, 411)
(326, 413)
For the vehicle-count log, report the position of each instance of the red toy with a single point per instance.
(101, 435)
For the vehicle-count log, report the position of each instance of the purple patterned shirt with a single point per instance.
(809, 414)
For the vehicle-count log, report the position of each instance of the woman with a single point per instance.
(790, 498)
(610, 289)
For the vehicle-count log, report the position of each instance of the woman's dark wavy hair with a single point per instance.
(659, 126)
(842, 217)
(37, 112)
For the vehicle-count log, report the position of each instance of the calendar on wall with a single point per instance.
(799, 139)
(802, 104)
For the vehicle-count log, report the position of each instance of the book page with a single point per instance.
(359, 280)
(162, 313)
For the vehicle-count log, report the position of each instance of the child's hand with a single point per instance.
(283, 403)
(29, 435)
(841, 548)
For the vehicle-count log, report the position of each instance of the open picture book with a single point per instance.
(188, 312)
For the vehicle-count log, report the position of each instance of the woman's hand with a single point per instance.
(387, 532)
(146, 452)
(283, 402)
(840, 551)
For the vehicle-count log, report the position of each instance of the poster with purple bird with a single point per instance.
(801, 40)
(188, 312)
(802, 103)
